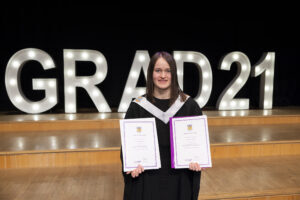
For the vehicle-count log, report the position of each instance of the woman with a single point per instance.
(163, 99)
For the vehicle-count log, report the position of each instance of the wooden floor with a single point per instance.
(256, 155)
(229, 178)
(77, 183)
(251, 177)
(51, 141)
(280, 111)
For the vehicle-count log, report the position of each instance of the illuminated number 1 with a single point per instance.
(265, 68)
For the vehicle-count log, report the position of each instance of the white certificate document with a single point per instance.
(139, 144)
(189, 140)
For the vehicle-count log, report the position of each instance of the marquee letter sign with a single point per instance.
(141, 61)
(265, 68)
(226, 101)
(13, 87)
(87, 82)
(204, 69)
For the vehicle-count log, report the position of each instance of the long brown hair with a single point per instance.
(175, 89)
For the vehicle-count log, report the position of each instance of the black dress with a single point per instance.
(165, 183)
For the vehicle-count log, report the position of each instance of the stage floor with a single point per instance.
(240, 178)
(252, 160)
(280, 111)
(52, 141)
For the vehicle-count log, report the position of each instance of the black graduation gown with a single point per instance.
(164, 183)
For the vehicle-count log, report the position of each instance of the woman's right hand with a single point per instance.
(137, 171)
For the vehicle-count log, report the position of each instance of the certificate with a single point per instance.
(139, 144)
(189, 140)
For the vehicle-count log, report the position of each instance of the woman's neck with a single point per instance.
(162, 94)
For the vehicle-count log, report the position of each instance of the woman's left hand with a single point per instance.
(195, 167)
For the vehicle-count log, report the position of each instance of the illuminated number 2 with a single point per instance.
(226, 101)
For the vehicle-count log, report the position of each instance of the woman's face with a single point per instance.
(162, 75)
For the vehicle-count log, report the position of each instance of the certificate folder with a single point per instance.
(139, 144)
(189, 141)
